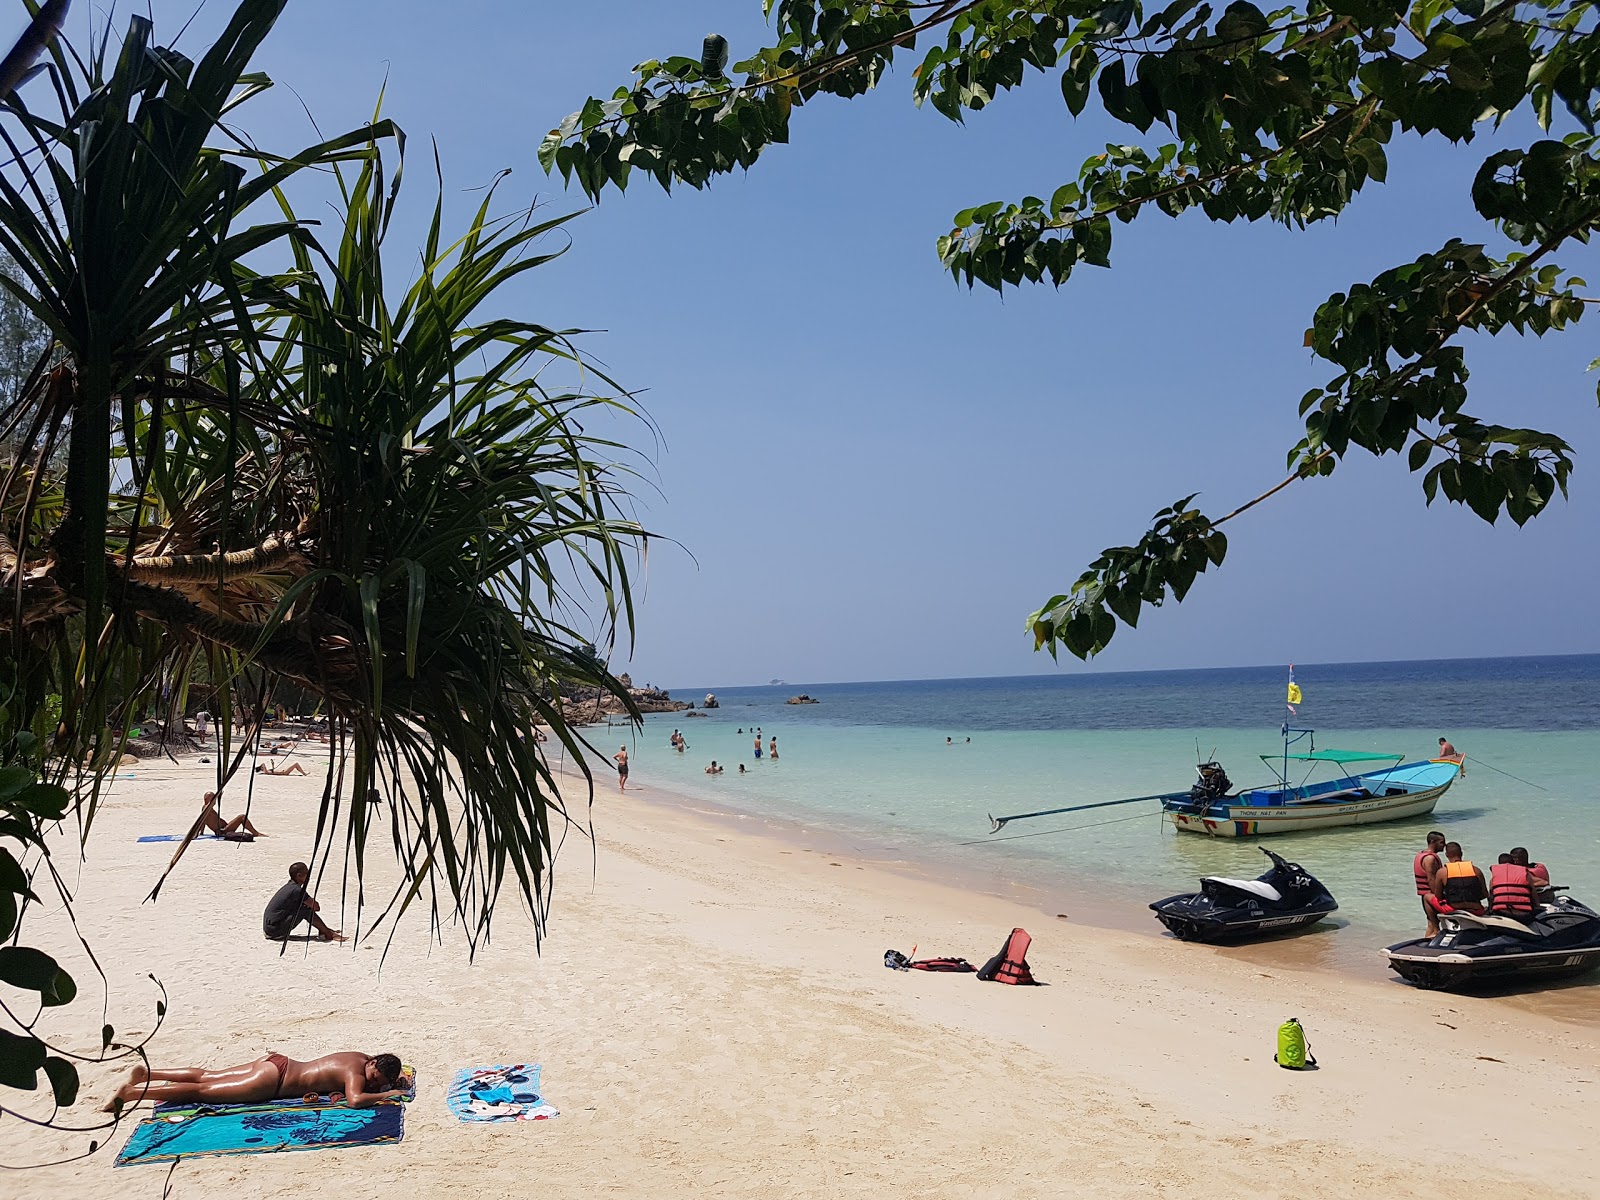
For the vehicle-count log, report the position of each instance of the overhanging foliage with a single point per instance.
(1242, 114)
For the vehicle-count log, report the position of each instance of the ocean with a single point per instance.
(869, 769)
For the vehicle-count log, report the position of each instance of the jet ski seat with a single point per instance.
(1265, 890)
(1492, 921)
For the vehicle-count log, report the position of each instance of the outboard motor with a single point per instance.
(1213, 783)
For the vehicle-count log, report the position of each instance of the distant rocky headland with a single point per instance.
(591, 704)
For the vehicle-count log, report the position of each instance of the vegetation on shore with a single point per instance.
(243, 445)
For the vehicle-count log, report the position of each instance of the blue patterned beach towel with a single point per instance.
(505, 1092)
(260, 1129)
(178, 837)
(190, 1130)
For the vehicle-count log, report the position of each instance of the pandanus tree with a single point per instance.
(1231, 113)
(245, 446)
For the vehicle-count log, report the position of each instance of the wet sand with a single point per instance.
(712, 1015)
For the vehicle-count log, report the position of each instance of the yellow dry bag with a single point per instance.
(1293, 1053)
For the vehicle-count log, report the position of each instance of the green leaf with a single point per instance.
(24, 967)
(20, 1061)
(35, 971)
(13, 780)
(63, 1078)
(47, 800)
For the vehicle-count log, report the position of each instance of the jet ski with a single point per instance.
(1562, 939)
(1286, 898)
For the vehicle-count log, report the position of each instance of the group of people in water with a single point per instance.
(1447, 881)
(772, 752)
(677, 742)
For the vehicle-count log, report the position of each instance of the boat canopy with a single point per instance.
(1333, 756)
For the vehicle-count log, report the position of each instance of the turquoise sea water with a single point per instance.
(869, 767)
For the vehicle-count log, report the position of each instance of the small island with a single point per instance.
(802, 698)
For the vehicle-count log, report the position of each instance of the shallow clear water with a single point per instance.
(870, 765)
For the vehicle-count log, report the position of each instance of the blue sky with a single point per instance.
(875, 474)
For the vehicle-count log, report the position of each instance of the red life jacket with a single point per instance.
(942, 964)
(1011, 964)
(1424, 878)
(1511, 889)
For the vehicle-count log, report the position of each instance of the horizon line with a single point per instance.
(1374, 662)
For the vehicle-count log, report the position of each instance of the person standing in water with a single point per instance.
(758, 745)
(621, 757)
(772, 748)
(1423, 868)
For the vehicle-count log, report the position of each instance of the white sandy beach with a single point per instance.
(713, 1018)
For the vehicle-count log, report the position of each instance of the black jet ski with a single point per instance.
(1286, 898)
(1562, 939)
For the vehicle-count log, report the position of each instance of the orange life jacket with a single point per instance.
(1461, 883)
(1511, 889)
(1423, 877)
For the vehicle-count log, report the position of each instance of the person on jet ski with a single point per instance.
(1458, 886)
(1540, 872)
(1511, 890)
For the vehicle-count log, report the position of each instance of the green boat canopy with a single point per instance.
(1334, 756)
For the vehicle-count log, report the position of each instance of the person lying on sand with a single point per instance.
(293, 768)
(292, 904)
(365, 1079)
(237, 830)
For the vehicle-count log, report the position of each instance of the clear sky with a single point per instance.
(874, 474)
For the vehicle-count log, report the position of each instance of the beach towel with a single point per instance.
(189, 1130)
(201, 1132)
(505, 1092)
(178, 837)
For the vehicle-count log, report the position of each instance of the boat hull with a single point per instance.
(1238, 820)
(1210, 928)
(1423, 967)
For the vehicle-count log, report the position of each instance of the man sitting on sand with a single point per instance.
(293, 768)
(365, 1079)
(291, 904)
(237, 830)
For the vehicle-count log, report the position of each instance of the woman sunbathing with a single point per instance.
(364, 1079)
(237, 830)
(293, 768)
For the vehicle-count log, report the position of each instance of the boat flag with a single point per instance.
(1294, 690)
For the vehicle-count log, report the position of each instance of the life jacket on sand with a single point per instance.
(1011, 964)
(1511, 889)
(896, 961)
(1420, 874)
(1462, 884)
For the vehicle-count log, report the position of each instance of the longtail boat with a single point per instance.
(1389, 793)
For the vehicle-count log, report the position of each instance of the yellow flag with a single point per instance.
(1294, 693)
